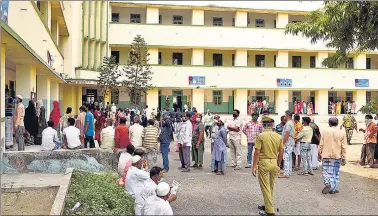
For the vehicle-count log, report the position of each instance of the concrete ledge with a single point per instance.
(94, 160)
(60, 199)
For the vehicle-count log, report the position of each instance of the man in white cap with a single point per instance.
(136, 176)
(159, 205)
(19, 127)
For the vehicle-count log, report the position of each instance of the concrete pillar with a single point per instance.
(198, 17)
(240, 100)
(321, 102)
(198, 56)
(79, 99)
(61, 97)
(241, 18)
(153, 99)
(282, 101)
(55, 30)
(2, 96)
(154, 55)
(198, 99)
(359, 97)
(54, 94)
(282, 20)
(241, 58)
(26, 79)
(320, 58)
(282, 59)
(69, 97)
(48, 14)
(152, 15)
(360, 61)
(43, 92)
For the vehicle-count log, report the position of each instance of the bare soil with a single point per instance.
(28, 201)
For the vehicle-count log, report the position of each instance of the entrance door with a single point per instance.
(177, 99)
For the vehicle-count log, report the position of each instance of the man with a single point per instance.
(370, 142)
(251, 130)
(264, 105)
(268, 155)
(159, 204)
(49, 137)
(185, 141)
(214, 130)
(135, 175)
(304, 138)
(266, 118)
(349, 123)
(89, 129)
(304, 107)
(9, 107)
(186, 107)
(147, 112)
(135, 133)
(332, 152)
(165, 140)
(209, 119)
(107, 136)
(113, 108)
(297, 149)
(315, 140)
(121, 136)
(150, 137)
(71, 135)
(280, 126)
(19, 126)
(235, 140)
(198, 142)
(288, 141)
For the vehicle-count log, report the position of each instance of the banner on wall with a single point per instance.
(4, 10)
(361, 82)
(284, 82)
(197, 80)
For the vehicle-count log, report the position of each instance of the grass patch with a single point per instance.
(98, 194)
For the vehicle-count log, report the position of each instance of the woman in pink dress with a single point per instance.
(295, 107)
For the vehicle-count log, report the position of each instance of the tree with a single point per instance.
(109, 74)
(370, 107)
(138, 72)
(347, 26)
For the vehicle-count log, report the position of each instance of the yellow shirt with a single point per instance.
(297, 128)
(269, 144)
(305, 135)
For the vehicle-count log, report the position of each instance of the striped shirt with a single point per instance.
(150, 137)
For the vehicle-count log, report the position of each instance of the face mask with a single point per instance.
(235, 115)
(198, 119)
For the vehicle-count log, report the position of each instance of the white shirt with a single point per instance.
(113, 109)
(148, 189)
(135, 180)
(72, 134)
(186, 107)
(157, 206)
(49, 137)
(135, 134)
(147, 112)
(264, 102)
(185, 133)
(123, 159)
(107, 138)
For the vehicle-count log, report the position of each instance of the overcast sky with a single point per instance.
(277, 5)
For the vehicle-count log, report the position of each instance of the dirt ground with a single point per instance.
(28, 201)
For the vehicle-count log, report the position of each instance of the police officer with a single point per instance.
(349, 123)
(268, 147)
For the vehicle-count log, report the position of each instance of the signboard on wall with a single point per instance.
(197, 80)
(284, 82)
(4, 10)
(361, 83)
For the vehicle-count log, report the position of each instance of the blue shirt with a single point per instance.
(8, 110)
(89, 119)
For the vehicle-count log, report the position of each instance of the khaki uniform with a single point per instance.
(269, 144)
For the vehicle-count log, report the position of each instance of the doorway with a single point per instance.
(312, 100)
(177, 99)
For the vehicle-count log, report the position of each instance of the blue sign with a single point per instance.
(284, 82)
(361, 82)
(197, 80)
(4, 10)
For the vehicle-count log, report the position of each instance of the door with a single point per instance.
(162, 102)
(179, 102)
(170, 98)
(184, 100)
(230, 104)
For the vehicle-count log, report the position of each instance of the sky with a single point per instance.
(276, 5)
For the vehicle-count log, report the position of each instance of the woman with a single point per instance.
(295, 107)
(30, 120)
(80, 120)
(309, 108)
(41, 116)
(299, 107)
(55, 116)
(99, 125)
(354, 106)
(338, 108)
(219, 155)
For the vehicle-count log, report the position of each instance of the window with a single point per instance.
(177, 19)
(160, 19)
(233, 21)
(134, 18)
(296, 61)
(233, 59)
(217, 21)
(116, 55)
(217, 60)
(115, 17)
(312, 62)
(259, 23)
(368, 63)
(159, 60)
(260, 61)
(275, 23)
(177, 58)
(217, 97)
(349, 63)
(274, 60)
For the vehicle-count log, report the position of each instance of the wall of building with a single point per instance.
(124, 13)
(226, 56)
(167, 16)
(167, 56)
(226, 15)
(269, 57)
(268, 19)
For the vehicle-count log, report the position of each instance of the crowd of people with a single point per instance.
(257, 106)
(342, 107)
(301, 107)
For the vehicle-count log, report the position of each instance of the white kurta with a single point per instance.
(141, 196)
(157, 206)
(135, 180)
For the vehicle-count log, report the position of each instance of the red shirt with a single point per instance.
(121, 137)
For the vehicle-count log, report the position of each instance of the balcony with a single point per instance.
(210, 37)
(255, 77)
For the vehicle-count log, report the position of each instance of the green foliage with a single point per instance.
(98, 194)
(347, 26)
(370, 108)
(109, 74)
(138, 72)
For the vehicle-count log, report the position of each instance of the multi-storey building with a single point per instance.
(206, 56)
